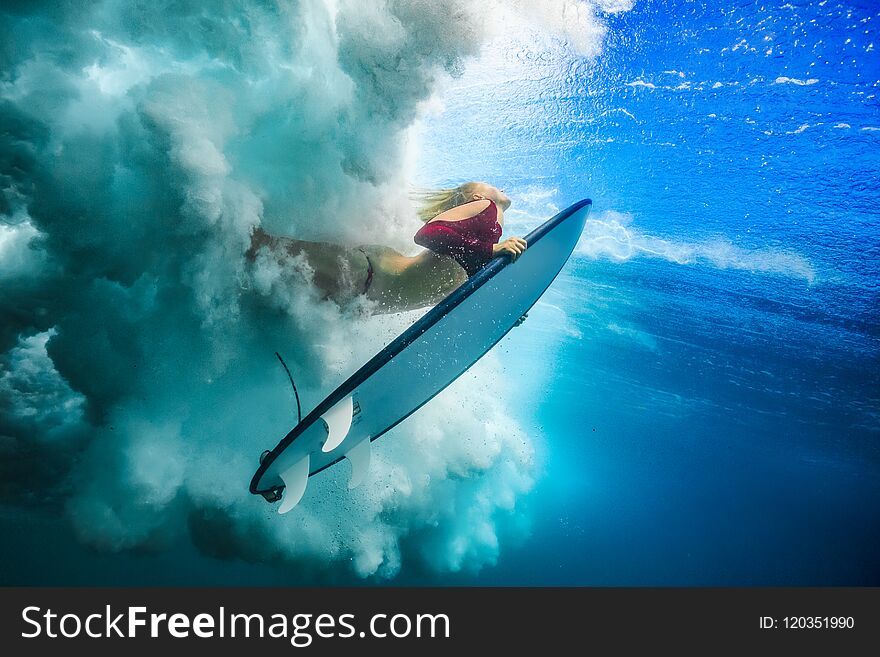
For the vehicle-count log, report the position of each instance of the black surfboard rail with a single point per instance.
(424, 323)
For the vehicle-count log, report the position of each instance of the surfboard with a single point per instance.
(418, 364)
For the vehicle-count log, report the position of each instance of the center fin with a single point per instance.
(359, 455)
(338, 421)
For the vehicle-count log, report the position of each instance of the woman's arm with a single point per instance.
(513, 246)
(465, 210)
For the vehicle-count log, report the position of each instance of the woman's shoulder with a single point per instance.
(464, 211)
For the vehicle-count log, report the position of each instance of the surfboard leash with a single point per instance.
(295, 393)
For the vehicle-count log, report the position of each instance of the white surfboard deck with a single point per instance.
(419, 363)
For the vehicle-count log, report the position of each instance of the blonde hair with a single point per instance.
(432, 202)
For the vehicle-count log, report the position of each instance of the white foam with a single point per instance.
(154, 160)
(38, 401)
(795, 81)
(615, 6)
(17, 259)
(611, 235)
(575, 21)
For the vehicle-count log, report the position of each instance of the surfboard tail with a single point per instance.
(296, 477)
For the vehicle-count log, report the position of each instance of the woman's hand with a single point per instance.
(512, 245)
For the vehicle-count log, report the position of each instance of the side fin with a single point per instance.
(295, 479)
(359, 455)
(338, 421)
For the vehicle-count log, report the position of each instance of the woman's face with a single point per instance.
(485, 190)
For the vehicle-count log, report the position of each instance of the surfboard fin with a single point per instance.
(295, 479)
(338, 421)
(359, 455)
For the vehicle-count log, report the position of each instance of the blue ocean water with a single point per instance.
(714, 415)
(701, 381)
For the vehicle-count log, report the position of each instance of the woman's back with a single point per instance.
(468, 238)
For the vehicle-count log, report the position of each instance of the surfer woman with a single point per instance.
(461, 232)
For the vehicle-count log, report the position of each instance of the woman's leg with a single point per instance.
(340, 272)
(410, 282)
(398, 282)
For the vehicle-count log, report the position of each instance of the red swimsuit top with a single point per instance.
(469, 240)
